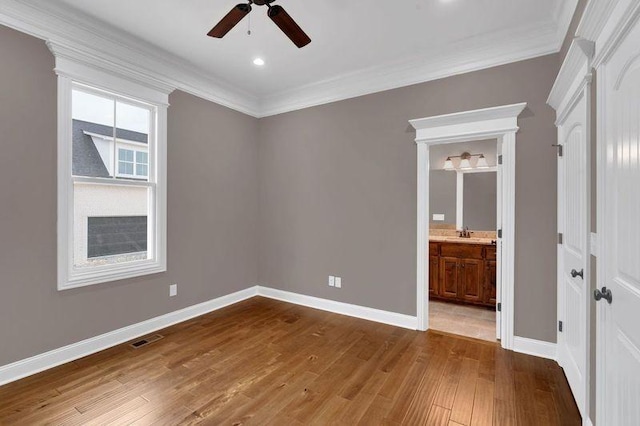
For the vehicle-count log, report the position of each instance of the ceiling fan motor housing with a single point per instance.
(262, 2)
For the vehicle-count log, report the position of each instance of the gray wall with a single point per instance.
(212, 213)
(338, 192)
(442, 196)
(480, 201)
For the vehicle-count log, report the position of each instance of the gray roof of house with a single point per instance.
(86, 159)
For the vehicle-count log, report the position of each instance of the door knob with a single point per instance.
(605, 294)
(575, 273)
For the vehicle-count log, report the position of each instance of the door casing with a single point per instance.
(499, 123)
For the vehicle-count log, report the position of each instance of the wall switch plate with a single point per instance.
(332, 281)
(438, 218)
(338, 282)
(173, 290)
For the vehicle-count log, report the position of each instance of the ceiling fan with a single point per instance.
(277, 14)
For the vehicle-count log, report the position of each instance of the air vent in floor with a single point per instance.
(144, 341)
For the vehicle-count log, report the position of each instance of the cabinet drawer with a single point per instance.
(490, 253)
(434, 249)
(466, 251)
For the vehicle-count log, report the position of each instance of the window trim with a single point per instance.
(69, 73)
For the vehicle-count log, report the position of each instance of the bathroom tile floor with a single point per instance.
(469, 321)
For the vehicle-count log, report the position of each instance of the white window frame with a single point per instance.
(72, 73)
(135, 163)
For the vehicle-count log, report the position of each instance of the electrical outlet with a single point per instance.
(332, 281)
(173, 290)
(438, 217)
(338, 282)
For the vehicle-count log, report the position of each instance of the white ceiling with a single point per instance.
(357, 46)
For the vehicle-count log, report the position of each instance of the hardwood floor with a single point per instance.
(266, 362)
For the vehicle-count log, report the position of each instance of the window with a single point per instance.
(132, 163)
(112, 185)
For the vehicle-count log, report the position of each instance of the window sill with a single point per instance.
(87, 278)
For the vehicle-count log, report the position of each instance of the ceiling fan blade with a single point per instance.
(288, 26)
(230, 20)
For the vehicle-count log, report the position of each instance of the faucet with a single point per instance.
(464, 233)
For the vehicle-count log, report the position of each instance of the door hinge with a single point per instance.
(560, 237)
(499, 307)
(499, 233)
(560, 149)
(499, 159)
(560, 326)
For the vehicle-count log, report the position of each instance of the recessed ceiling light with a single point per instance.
(258, 61)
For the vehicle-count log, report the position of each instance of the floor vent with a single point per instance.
(144, 341)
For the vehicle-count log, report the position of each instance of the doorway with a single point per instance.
(500, 123)
(463, 226)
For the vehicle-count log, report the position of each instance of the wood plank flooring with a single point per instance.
(264, 362)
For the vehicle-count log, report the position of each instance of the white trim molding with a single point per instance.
(496, 49)
(357, 311)
(497, 122)
(45, 361)
(100, 44)
(534, 347)
(112, 49)
(575, 74)
(56, 357)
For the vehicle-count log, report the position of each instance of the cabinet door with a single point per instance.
(449, 276)
(490, 282)
(434, 276)
(472, 280)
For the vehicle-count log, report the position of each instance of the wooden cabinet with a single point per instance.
(490, 282)
(463, 273)
(434, 276)
(449, 277)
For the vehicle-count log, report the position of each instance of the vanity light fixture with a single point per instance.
(482, 162)
(465, 162)
(448, 164)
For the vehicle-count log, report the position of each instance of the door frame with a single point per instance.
(499, 123)
(572, 86)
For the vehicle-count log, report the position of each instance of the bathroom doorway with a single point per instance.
(499, 123)
(463, 224)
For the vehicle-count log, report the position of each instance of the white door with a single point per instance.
(619, 261)
(573, 252)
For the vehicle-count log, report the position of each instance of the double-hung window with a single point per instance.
(111, 181)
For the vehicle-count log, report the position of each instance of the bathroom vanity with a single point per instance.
(462, 270)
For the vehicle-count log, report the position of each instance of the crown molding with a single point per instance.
(104, 46)
(574, 74)
(466, 56)
(84, 36)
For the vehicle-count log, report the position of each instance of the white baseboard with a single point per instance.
(534, 347)
(47, 360)
(371, 314)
